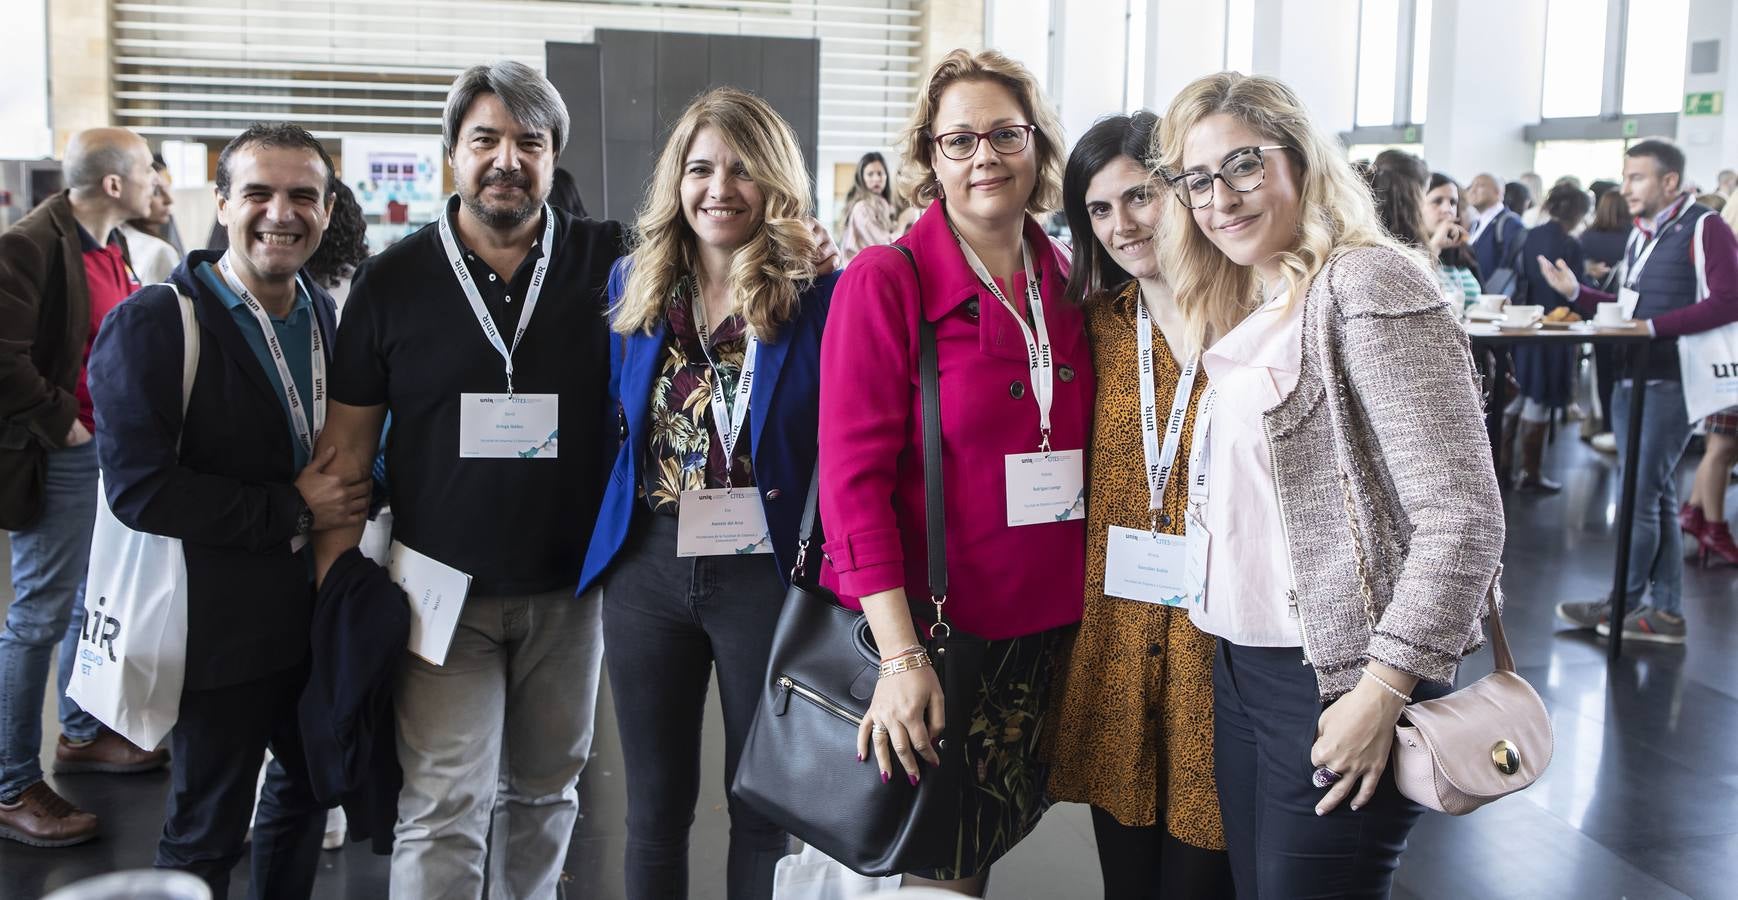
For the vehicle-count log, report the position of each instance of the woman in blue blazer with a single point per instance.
(718, 315)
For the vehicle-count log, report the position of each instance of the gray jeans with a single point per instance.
(504, 727)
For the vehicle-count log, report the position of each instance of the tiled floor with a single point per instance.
(1641, 800)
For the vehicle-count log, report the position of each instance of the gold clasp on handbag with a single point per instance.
(1506, 757)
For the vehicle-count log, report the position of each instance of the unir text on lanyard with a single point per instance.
(1039, 361)
(1160, 462)
(463, 274)
(727, 417)
(305, 433)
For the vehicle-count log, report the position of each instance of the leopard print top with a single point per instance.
(1134, 727)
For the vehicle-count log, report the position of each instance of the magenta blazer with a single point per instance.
(1003, 582)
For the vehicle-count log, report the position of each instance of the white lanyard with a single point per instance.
(722, 411)
(1634, 272)
(298, 411)
(1038, 358)
(1198, 465)
(481, 311)
(1159, 462)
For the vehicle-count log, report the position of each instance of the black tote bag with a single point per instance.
(799, 763)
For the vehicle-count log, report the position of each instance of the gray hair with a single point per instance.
(528, 96)
(86, 167)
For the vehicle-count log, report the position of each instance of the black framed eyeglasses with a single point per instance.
(1005, 140)
(1243, 171)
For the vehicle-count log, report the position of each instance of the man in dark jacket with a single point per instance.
(1496, 233)
(62, 268)
(235, 481)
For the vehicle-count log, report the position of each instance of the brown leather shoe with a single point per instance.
(42, 818)
(109, 753)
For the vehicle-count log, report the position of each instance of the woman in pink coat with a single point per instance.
(1016, 404)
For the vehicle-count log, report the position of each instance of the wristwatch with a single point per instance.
(304, 518)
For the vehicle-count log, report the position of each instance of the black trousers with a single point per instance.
(1146, 862)
(1265, 707)
(217, 745)
(668, 624)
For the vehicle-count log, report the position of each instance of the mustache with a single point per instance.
(505, 178)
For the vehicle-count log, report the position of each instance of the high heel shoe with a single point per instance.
(1717, 541)
(1692, 522)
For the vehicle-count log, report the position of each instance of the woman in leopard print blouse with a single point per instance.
(1134, 730)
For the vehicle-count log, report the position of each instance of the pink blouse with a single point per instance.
(1004, 581)
(1251, 370)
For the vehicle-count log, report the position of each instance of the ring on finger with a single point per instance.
(878, 728)
(1324, 777)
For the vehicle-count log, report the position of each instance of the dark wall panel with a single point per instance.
(573, 69)
(643, 80)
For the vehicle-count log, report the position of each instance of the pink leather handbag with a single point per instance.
(1484, 741)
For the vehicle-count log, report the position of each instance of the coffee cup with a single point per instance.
(1609, 314)
(1522, 316)
(1491, 303)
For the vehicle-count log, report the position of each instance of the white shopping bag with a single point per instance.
(1708, 362)
(132, 654)
(812, 875)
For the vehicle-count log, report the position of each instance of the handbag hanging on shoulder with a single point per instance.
(799, 763)
(1478, 744)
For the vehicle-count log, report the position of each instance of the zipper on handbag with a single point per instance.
(787, 686)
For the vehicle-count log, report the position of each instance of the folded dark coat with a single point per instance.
(360, 630)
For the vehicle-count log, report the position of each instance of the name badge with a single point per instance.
(508, 426)
(1147, 567)
(721, 522)
(1195, 569)
(1046, 487)
(1627, 298)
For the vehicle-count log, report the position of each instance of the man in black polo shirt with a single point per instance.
(484, 336)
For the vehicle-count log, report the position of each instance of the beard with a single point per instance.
(501, 215)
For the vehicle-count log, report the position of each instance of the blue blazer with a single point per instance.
(786, 395)
(227, 491)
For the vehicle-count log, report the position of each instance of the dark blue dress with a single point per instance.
(1546, 373)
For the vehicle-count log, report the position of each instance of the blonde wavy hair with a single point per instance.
(1336, 212)
(917, 182)
(766, 274)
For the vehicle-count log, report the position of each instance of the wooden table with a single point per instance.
(1636, 337)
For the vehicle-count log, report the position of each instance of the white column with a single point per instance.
(1185, 40)
(1487, 61)
(1710, 143)
(1312, 45)
(1090, 75)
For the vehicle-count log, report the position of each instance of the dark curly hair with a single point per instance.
(345, 244)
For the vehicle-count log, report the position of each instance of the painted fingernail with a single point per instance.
(859, 757)
(1354, 807)
(884, 777)
(912, 779)
(1318, 811)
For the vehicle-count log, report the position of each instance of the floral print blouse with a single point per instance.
(683, 452)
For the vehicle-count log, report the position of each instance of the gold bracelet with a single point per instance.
(1388, 687)
(904, 663)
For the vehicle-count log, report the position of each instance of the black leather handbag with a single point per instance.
(799, 763)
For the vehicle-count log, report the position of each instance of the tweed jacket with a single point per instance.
(1383, 470)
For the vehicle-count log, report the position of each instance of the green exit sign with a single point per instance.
(1630, 128)
(1706, 103)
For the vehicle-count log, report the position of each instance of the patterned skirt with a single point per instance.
(1723, 422)
(1004, 797)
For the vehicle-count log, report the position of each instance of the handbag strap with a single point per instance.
(1499, 641)
(934, 507)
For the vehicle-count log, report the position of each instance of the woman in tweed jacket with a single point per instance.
(1345, 526)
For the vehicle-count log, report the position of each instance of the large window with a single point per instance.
(1393, 55)
(1240, 35)
(1378, 63)
(1586, 160)
(1574, 58)
(1653, 56)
